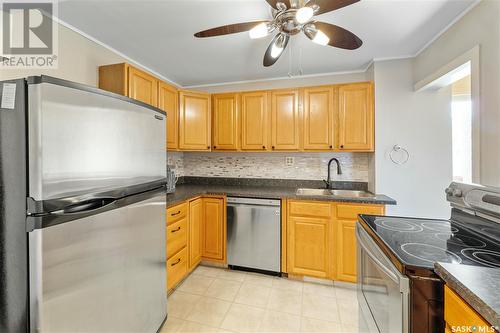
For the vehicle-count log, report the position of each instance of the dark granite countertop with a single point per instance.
(277, 190)
(478, 286)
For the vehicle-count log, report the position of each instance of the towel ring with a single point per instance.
(401, 150)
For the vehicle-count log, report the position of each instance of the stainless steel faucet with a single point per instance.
(328, 181)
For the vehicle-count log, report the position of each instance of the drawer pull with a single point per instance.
(178, 228)
(173, 214)
(175, 263)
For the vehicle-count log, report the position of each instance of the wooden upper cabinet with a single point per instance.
(318, 118)
(168, 101)
(214, 240)
(142, 86)
(356, 117)
(194, 121)
(225, 129)
(285, 120)
(254, 121)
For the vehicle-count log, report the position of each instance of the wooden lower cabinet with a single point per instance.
(458, 314)
(309, 246)
(346, 216)
(195, 231)
(213, 229)
(346, 251)
(321, 238)
(177, 268)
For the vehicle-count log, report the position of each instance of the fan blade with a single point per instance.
(339, 37)
(326, 6)
(228, 29)
(270, 60)
(273, 3)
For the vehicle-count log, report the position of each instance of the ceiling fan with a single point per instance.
(289, 18)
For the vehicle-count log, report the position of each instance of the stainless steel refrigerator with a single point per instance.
(82, 209)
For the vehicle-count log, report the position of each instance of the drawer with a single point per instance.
(177, 268)
(310, 208)
(177, 235)
(351, 212)
(177, 212)
(458, 313)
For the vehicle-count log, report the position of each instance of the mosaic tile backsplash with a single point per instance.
(307, 166)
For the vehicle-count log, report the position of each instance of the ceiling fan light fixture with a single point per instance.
(320, 38)
(278, 46)
(259, 31)
(316, 35)
(304, 14)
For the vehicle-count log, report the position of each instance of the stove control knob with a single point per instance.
(457, 193)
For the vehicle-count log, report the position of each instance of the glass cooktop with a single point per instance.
(422, 242)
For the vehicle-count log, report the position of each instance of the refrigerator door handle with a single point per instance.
(85, 206)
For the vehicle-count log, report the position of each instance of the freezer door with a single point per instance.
(82, 140)
(103, 273)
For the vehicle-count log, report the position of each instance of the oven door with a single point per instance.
(383, 292)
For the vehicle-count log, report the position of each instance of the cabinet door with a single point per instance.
(356, 117)
(142, 86)
(225, 122)
(254, 121)
(213, 238)
(309, 246)
(285, 120)
(346, 250)
(168, 101)
(194, 121)
(195, 222)
(318, 118)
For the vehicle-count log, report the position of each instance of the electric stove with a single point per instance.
(396, 257)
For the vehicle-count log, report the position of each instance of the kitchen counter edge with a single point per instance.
(479, 292)
(185, 192)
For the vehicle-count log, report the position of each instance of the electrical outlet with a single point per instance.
(289, 161)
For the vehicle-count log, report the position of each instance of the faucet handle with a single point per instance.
(327, 184)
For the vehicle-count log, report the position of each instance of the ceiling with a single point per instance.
(159, 35)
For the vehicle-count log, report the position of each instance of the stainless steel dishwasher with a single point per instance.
(254, 234)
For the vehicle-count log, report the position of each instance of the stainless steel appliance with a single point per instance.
(82, 208)
(171, 179)
(254, 234)
(398, 290)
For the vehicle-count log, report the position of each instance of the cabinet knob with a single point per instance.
(273, 147)
(263, 147)
(215, 147)
(208, 147)
(331, 147)
(342, 146)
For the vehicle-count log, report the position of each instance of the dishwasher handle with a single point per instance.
(253, 201)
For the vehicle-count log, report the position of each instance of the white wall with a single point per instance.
(79, 59)
(481, 26)
(421, 123)
(286, 83)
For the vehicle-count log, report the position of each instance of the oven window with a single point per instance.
(382, 295)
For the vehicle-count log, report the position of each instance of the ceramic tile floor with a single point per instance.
(219, 300)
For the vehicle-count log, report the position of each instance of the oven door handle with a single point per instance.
(386, 270)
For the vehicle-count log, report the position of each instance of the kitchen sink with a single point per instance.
(333, 193)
